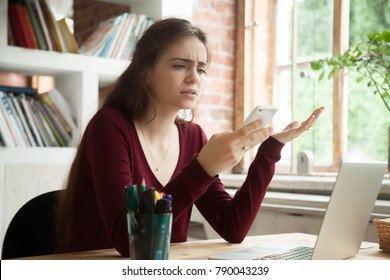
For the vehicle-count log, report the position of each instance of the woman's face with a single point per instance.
(176, 80)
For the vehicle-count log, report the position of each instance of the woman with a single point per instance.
(138, 135)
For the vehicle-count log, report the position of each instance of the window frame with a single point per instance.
(247, 13)
(321, 181)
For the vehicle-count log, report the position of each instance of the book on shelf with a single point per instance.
(110, 39)
(6, 137)
(23, 120)
(43, 24)
(142, 24)
(33, 25)
(21, 27)
(38, 124)
(27, 119)
(36, 25)
(30, 120)
(63, 137)
(14, 89)
(124, 29)
(10, 36)
(129, 27)
(94, 44)
(130, 44)
(116, 37)
(53, 27)
(48, 131)
(13, 79)
(64, 109)
(11, 120)
(11, 91)
(20, 127)
(68, 37)
(49, 104)
(6, 134)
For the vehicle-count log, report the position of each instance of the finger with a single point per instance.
(251, 127)
(254, 139)
(294, 124)
(307, 124)
(220, 134)
(317, 113)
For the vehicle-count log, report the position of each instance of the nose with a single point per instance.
(192, 76)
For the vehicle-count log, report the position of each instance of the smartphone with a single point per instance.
(264, 112)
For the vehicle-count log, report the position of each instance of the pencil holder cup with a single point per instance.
(149, 236)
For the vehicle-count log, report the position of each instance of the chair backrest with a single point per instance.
(31, 231)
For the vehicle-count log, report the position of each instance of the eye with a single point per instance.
(179, 66)
(201, 71)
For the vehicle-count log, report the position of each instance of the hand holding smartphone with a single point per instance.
(264, 112)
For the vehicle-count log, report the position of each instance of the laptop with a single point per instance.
(344, 224)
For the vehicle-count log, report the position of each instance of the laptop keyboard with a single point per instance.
(297, 253)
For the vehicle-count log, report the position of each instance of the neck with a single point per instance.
(156, 124)
(156, 130)
(156, 137)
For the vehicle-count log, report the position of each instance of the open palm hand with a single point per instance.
(294, 129)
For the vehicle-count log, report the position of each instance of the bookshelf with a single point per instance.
(28, 172)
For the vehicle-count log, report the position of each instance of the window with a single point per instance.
(282, 37)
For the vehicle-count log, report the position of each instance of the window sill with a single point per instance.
(317, 183)
(302, 195)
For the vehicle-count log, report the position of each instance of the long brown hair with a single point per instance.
(130, 95)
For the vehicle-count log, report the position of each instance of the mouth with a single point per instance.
(189, 92)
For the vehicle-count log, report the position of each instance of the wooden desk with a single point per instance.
(202, 249)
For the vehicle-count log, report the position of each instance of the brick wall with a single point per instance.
(216, 18)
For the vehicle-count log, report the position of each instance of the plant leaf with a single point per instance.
(321, 76)
(315, 65)
(359, 79)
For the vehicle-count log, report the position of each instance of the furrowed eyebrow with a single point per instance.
(189, 61)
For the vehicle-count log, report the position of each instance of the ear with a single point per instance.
(147, 77)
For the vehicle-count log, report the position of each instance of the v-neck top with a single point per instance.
(137, 142)
(112, 158)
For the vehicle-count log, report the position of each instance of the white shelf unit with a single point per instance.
(28, 172)
(159, 8)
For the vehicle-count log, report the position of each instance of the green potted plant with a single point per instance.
(371, 59)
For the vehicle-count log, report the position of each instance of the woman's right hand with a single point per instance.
(225, 150)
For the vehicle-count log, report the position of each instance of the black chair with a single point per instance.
(31, 231)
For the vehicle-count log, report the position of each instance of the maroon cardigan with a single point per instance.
(112, 158)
